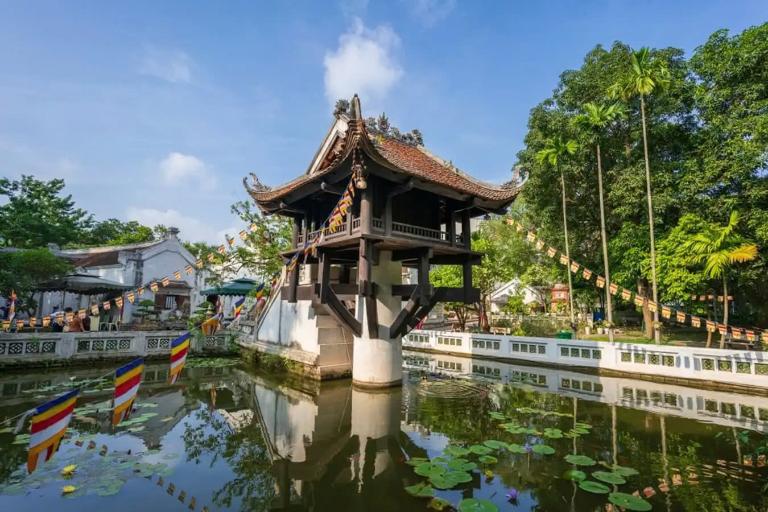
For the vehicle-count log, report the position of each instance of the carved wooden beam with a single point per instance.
(340, 312)
(331, 189)
(402, 318)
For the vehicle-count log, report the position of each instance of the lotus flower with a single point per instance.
(512, 494)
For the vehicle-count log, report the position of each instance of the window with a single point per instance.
(670, 399)
(642, 394)
(586, 386)
(585, 353)
(515, 347)
(628, 393)
(565, 383)
(668, 360)
(597, 387)
(655, 397)
(564, 353)
(575, 384)
(743, 367)
(762, 414)
(596, 354)
(574, 352)
(761, 368)
(654, 359)
(710, 405)
(724, 365)
(639, 357)
(626, 357)
(747, 411)
(542, 349)
(708, 364)
(729, 409)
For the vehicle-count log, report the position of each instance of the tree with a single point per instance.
(20, 271)
(450, 276)
(647, 74)
(268, 238)
(556, 148)
(719, 248)
(595, 119)
(36, 214)
(117, 232)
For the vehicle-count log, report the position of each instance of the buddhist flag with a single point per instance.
(666, 312)
(179, 350)
(19, 325)
(652, 306)
(600, 282)
(750, 335)
(260, 292)
(32, 321)
(166, 281)
(6, 325)
(177, 275)
(702, 298)
(722, 328)
(107, 306)
(253, 227)
(81, 313)
(551, 251)
(46, 321)
(140, 291)
(130, 296)
(680, 316)
(711, 327)
(613, 288)
(574, 267)
(230, 241)
(238, 307)
(586, 274)
(563, 259)
(765, 336)
(639, 301)
(94, 309)
(539, 245)
(188, 269)
(519, 227)
(695, 321)
(211, 257)
(127, 380)
(221, 249)
(153, 286)
(626, 295)
(119, 302)
(199, 263)
(243, 235)
(531, 236)
(49, 424)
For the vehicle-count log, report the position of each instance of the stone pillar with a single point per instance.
(378, 362)
(375, 421)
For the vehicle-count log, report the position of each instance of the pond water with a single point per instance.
(497, 436)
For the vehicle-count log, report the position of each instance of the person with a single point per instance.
(76, 324)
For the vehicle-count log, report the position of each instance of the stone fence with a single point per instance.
(658, 362)
(36, 349)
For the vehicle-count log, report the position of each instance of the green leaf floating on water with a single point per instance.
(625, 471)
(456, 451)
(493, 444)
(450, 479)
(420, 490)
(580, 460)
(553, 433)
(628, 501)
(543, 449)
(488, 459)
(477, 505)
(575, 475)
(594, 487)
(516, 448)
(497, 415)
(415, 461)
(461, 465)
(479, 449)
(610, 478)
(438, 504)
(429, 469)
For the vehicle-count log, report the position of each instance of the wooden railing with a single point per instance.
(378, 225)
(420, 232)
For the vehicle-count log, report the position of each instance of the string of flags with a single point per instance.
(329, 226)
(639, 300)
(131, 296)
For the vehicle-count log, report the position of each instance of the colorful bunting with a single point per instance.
(32, 321)
(131, 297)
(81, 314)
(94, 309)
(179, 350)
(639, 300)
(666, 312)
(586, 274)
(531, 236)
(551, 251)
(188, 269)
(574, 267)
(221, 249)
(711, 326)
(46, 321)
(107, 305)
(127, 381)
(680, 316)
(165, 281)
(49, 424)
(695, 321)
(154, 286)
(177, 275)
(613, 288)
(243, 235)
(563, 259)
(119, 302)
(600, 282)
(199, 263)
(652, 306)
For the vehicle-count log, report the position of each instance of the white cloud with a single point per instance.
(430, 12)
(172, 66)
(363, 63)
(353, 7)
(190, 228)
(178, 168)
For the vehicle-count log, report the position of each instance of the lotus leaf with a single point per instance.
(553, 433)
(429, 469)
(493, 444)
(594, 487)
(628, 501)
(456, 451)
(477, 505)
(415, 461)
(460, 477)
(461, 465)
(497, 415)
(516, 448)
(488, 459)
(479, 449)
(610, 478)
(580, 460)
(420, 490)
(625, 471)
(575, 475)
(543, 449)
(441, 482)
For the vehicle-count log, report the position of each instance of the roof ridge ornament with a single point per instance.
(257, 185)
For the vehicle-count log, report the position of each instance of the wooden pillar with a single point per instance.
(465, 229)
(388, 216)
(451, 228)
(466, 274)
(293, 284)
(366, 291)
(425, 289)
(323, 274)
(295, 235)
(366, 210)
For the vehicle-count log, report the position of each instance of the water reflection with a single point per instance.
(238, 439)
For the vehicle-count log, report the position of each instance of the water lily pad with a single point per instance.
(628, 501)
(609, 478)
(461, 465)
(479, 449)
(440, 482)
(420, 490)
(493, 444)
(488, 459)
(515, 429)
(497, 415)
(575, 475)
(460, 477)
(580, 460)
(456, 451)
(477, 505)
(553, 433)
(625, 471)
(543, 449)
(438, 504)
(516, 448)
(594, 487)
(429, 469)
(415, 461)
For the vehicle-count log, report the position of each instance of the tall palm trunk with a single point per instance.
(656, 331)
(725, 311)
(567, 254)
(603, 234)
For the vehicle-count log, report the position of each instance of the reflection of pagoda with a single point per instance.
(410, 209)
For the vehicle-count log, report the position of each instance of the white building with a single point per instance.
(134, 265)
(502, 294)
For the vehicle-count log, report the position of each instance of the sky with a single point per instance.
(155, 111)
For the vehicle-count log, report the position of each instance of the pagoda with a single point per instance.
(343, 306)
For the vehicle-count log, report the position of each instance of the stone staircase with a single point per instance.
(335, 342)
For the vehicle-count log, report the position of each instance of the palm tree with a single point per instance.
(594, 120)
(647, 74)
(556, 148)
(719, 248)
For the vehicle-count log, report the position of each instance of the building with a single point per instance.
(133, 265)
(501, 295)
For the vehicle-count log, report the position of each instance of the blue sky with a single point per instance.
(155, 111)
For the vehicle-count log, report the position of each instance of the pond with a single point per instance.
(465, 433)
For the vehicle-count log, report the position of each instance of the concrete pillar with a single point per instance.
(377, 362)
(375, 420)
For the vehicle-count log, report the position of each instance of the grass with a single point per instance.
(668, 337)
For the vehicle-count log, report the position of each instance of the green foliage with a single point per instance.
(117, 232)
(260, 254)
(22, 270)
